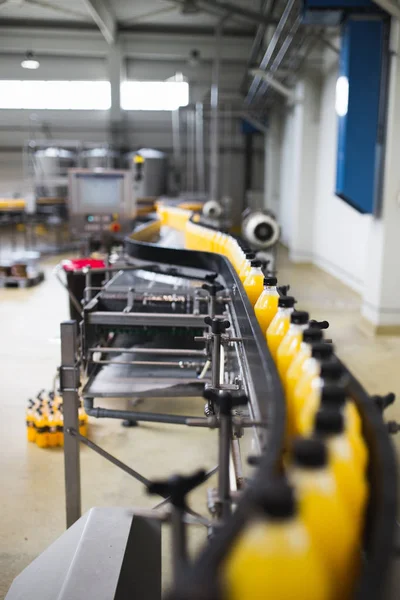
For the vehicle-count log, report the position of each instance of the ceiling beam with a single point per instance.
(104, 17)
(228, 9)
(233, 9)
(391, 6)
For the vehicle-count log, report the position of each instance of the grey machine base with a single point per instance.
(108, 554)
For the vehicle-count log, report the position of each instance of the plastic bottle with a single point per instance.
(30, 421)
(325, 516)
(310, 370)
(293, 374)
(266, 306)
(52, 430)
(254, 282)
(274, 556)
(329, 377)
(280, 324)
(290, 344)
(83, 420)
(245, 270)
(42, 438)
(333, 397)
(350, 478)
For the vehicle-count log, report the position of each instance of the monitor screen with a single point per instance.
(99, 191)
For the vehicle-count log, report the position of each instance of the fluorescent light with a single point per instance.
(342, 96)
(30, 62)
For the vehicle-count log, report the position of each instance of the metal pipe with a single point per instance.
(108, 413)
(115, 461)
(152, 363)
(258, 38)
(271, 49)
(216, 361)
(190, 146)
(225, 436)
(281, 54)
(179, 541)
(201, 179)
(177, 148)
(214, 131)
(166, 351)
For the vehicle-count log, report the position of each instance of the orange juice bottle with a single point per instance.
(310, 370)
(324, 513)
(266, 306)
(333, 396)
(274, 556)
(42, 437)
(52, 430)
(280, 324)
(290, 344)
(330, 427)
(245, 270)
(326, 383)
(310, 336)
(30, 421)
(254, 282)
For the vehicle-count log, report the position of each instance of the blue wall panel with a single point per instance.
(358, 161)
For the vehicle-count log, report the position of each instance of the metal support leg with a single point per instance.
(179, 542)
(69, 384)
(224, 485)
(216, 361)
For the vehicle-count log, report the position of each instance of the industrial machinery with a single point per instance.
(149, 176)
(99, 158)
(100, 202)
(169, 321)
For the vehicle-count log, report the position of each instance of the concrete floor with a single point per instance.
(32, 501)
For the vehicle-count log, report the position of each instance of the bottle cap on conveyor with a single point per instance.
(333, 396)
(277, 500)
(270, 281)
(331, 369)
(312, 335)
(309, 453)
(299, 317)
(322, 350)
(286, 301)
(328, 422)
(256, 263)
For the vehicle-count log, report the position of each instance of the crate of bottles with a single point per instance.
(45, 420)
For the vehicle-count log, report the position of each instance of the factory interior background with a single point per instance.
(233, 127)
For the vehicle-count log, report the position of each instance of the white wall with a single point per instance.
(340, 232)
(319, 227)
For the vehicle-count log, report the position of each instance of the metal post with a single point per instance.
(216, 361)
(190, 149)
(214, 132)
(225, 435)
(69, 384)
(179, 542)
(176, 141)
(201, 182)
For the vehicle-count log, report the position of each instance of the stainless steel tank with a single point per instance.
(149, 170)
(51, 171)
(99, 158)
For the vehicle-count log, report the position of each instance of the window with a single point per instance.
(154, 95)
(55, 95)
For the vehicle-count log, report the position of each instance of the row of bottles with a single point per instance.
(305, 536)
(302, 540)
(45, 420)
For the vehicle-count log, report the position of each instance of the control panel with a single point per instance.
(101, 203)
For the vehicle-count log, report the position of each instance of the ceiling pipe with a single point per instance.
(274, 83)
(267, 9)
(270, 50)
(281, 54)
